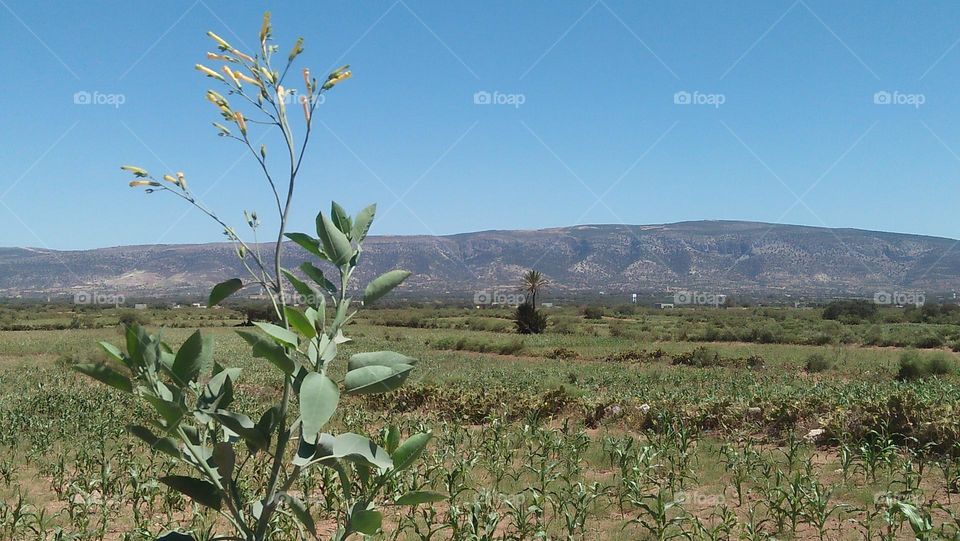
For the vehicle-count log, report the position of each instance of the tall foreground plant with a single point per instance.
(191, 394)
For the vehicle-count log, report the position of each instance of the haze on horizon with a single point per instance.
(476, 116)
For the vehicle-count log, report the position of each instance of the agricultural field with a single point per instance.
(616, 423)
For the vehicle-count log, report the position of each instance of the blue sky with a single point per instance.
(787, 129)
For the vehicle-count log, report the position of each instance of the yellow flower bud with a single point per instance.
(224, 46)
(137, 172)
(137, 183)
(209, 72)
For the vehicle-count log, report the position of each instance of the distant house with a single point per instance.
(198, 305)
(140, 306)
(662, 305)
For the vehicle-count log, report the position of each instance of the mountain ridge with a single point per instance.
(728, 256)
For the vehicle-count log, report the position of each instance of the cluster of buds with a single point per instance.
(337, 76)
(142, 178)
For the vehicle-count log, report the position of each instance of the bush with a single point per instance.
(939, 364)
(529, 320)
(593, 312)
(914, 366)
(817, 363)
(130, 317)
(850, 311)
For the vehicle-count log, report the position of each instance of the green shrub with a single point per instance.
(914, 366)
(593, 312)
(817, 363)
(939, 364)
(529, 320)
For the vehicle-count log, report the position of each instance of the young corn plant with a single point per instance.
(252, 486)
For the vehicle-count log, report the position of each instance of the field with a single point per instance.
(626, 423)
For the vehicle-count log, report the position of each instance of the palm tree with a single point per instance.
(533, 281)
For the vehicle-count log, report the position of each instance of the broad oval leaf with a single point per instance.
(335, 244)
(383, 284)
(410, 450)
(376, 379)
(351, 447)
(420, 496)
(223, 290)
(366, 521)
(278, 333)
(105, 374)
(192, 357)
(271, 351)
(361, 225)
(318, 402)
(165, 445)
(300, 322)
(302, 513)
(198, 490)
(308, 243)
(378, 358)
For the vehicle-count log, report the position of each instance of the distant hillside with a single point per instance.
(721, 256)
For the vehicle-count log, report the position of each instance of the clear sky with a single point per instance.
(783, 124)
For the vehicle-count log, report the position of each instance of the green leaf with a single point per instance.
(308, 243)
(393, 439)
(302, 513)
(366, 521)
(198, 490)
(269, 350)
(383, 284)
(410, 450)
(170, 411)
(317, 276)
(361, 225)
(105, 374)
(166, 445)
(311, 294)
(318, 402)
(335, 244)
(352, 447)
(341, 219)
(175, 536)
(241, 425)
(278, 333)
(115, 353)
(218, 392)
(376, 379)
(378, 358)
(223, 290)
(420, 496)
(225, 459)
(193, 355)
(300, 322)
